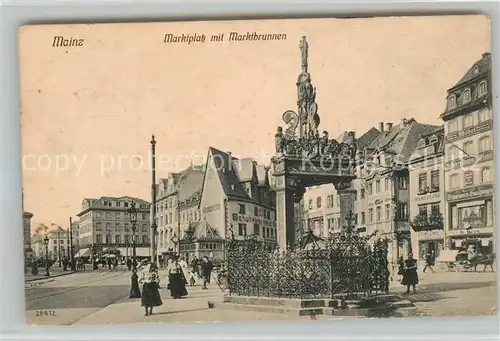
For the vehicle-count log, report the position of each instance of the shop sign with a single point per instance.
(211, 208)
(242, 218)
(429, 235)
(469, 178)
(468, 232)
(470, 193)
(428, 197)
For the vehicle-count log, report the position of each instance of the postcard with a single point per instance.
(218, 171)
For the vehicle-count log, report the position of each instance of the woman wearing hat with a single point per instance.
(150, 281)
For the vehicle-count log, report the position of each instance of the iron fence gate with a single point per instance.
(348, 266)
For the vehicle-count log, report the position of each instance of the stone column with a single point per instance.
(284, 214)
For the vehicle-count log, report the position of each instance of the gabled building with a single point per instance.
(178, 198)
(427, 205)
(105, 226)
(469, 173)
(236, 198)
(383, 185)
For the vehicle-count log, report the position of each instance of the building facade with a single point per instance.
(237, 200)
(383, 190)
(427, 204)
(468, 168)
(58, 246)
(28, 252)
(177, 208)
(105, 226)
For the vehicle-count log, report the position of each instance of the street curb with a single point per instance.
(45, 277)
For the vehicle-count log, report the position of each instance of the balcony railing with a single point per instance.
(427, 189)
(423, 222)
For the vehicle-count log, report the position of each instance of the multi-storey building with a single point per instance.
(57, 247)
(236, 200)
(468, 165)
(105, 225)
(383, 185)
(427, 195)
(28, 252)
(178, 198)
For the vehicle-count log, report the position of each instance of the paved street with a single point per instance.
(102, 298)
(54, 271)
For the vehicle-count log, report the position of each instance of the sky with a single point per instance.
(88, 112)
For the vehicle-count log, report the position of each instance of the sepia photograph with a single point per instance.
(257, 170)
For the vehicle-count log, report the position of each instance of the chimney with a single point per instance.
(486, 54)
(381, 127)
(388, 126)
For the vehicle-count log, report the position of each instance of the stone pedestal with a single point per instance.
(285, 218)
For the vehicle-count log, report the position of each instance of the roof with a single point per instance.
(189, 183)
(483, 67)
(98, 203)
(201, 230)
(402, 139)
(367, 138)
(245, 169)
(228, 176)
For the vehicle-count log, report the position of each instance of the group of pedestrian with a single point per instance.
(177, 272)
(408, 269)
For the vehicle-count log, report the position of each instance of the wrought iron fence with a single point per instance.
(350, 265)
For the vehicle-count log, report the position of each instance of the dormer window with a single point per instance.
(466, 96)
(452, 102)
(232, 187)
(482, 89)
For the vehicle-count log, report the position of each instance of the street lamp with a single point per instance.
(175, 240)
(134, 290)
(46, 242)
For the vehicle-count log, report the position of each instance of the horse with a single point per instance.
(486, 260)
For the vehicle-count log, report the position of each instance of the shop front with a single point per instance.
(471, 220)
(429, 242)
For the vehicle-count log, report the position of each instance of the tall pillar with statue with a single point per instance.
(304, 158)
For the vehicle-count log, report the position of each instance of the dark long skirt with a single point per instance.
(150, 295)
(177, 285)
(410, 277)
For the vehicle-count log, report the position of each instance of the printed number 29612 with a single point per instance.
(45, 313)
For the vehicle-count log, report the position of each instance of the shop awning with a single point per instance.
(83, 253)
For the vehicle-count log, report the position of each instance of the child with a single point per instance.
(192, 281)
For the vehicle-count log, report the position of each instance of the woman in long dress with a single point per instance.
(150, 281)
(410, 275)
(177, 281)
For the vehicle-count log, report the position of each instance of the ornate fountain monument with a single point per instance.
(305, 158)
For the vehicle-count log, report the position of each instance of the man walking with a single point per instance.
(429, 261)
(206, 271)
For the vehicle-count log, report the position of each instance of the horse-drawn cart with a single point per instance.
(454, 260)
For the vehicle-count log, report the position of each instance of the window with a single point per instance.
(98, 239)
(454, 181)
(452, 102)
(242, 229)
(318, 202)
(363, 218)
(403, 212)
(118, 240)
(126, 227)
(435, 209)
(469, 148)
(256, 211)
(387, 212)
(117, 227)
(310, 204)
(329, 202)
(422, 183)
(422, 210)
(482, 89)
(170, 218)
(144, 239)
(466, 96)
(435, 181)
(485, 175)
(370, 189)
(453, 126)
(377, 186)
(362, 193)
(402, 182)
(242, 208)
(127, 239)
(468, 121)
(144, 228)
(484, 144)
(453, 153)
(386, 185)
(370, 215)
(379, 213)
(117, 215)
(256, 229)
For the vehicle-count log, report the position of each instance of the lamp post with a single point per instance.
(175, 240)
(154, 226)
(134, 290)
(46, 242)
